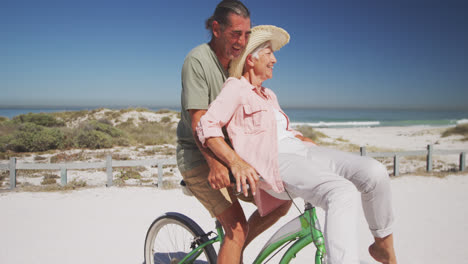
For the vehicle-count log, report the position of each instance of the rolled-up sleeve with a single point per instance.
(220, 111)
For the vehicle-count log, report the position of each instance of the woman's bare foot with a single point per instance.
(382, 250)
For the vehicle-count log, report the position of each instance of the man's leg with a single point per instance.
(236, 230)
(223, 205)
(258, 224)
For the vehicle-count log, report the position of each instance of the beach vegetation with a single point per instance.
(69, 116)
(3, 176)
(308, 131)
(3, 119)
(166, 119)
(149, 133)
(112, 114)
(461, 130)
(31, 137)
(97, 134)
(63, 157)
(130, 173)
(49, 178)
(93, 139)
(40, 119)
(82, 129)
(40, 158)
(164, 111)
(75, 184)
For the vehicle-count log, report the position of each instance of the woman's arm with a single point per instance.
(241, 170)
(210, 135)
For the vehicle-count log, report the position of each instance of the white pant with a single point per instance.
(328, 179)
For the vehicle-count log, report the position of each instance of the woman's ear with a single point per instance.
(249, 60)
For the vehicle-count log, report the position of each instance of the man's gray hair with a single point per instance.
(223, 10)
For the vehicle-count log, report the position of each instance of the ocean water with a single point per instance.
(325, 117)
(376, 117)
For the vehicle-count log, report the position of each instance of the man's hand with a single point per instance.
(244, 174)
(218, 176)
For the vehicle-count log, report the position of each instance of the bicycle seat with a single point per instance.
(185, 189)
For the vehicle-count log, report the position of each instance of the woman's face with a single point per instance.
(263, 66)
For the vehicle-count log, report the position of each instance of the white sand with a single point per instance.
(108, 225)
(397, 138)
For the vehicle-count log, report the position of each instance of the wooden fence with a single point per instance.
(13, 166)
(109, 163)
(429, 153)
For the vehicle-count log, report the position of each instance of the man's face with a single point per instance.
(235, 36)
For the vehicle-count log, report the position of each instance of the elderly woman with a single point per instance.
(273, 158)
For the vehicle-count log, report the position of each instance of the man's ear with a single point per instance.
(216, 27)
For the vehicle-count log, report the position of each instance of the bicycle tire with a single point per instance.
(169, 240)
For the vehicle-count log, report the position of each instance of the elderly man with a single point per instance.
(204, 71)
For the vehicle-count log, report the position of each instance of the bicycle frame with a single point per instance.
(303, 229)
(193, 255)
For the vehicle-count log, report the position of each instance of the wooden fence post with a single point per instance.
(63, 176)
(363, 151)
(109, 170)
(396, 166)
(429, 158)
(160, 175)
(12, 173)
(462, 161)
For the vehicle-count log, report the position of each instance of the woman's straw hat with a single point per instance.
(260, 34)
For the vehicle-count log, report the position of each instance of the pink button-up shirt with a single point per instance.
(251, 126)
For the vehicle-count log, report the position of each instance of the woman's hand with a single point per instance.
(306, 139)
(244, 174)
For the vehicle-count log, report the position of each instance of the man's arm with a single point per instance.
(219, 173)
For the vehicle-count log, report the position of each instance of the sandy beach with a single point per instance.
(108, 225)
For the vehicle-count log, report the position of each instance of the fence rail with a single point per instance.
(429, 152)
(109, 163)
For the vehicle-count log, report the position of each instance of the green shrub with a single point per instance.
(31, 137)
(3, 143)
(166, 119)
(3, 119)
(150, 133)
(163, 111)
(93, 139)
(40, 119)
(458, 130)
(104, 126)
(99, 134)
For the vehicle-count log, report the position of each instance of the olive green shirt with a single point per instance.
(202, 80)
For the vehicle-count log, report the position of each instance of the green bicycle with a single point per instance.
(175, 238)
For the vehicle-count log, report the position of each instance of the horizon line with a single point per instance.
(349, 107)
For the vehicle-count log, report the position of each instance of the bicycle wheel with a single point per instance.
(171, 237)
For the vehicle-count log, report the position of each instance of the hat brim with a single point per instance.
(260, 34)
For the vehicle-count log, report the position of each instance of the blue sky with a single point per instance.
(362, 53)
